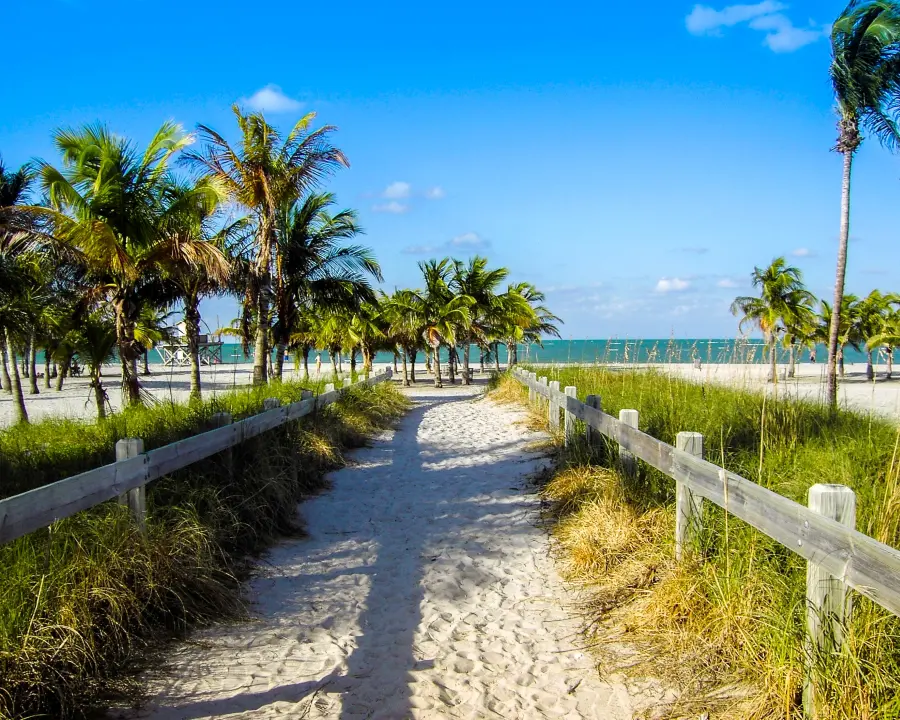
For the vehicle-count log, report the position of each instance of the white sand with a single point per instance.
(76, 399)
(881, 397)
(424, 590)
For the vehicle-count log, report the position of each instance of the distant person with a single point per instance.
(318, 364)
(812, 355)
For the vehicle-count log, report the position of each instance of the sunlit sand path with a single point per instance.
(424, 590)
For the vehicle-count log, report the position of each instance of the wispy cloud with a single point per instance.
(397, 208)
(694, 250)
(781, 34)
(271, 99)
(666, 285)
(397, 190)
(467, 242)
(435, 193)
(726, 283)
(803, 253)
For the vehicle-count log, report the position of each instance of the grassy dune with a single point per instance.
(735, 615)
(83, 602)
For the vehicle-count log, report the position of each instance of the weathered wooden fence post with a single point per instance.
(540, 398)
(347, 382)
(329, 387)
(688, 506)
(828, 601)
(554, 405)
(529, 378)
(135, 499)
(626, 459)
(569, 425)
(217, 420)
(590, 434)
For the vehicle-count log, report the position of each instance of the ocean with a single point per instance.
(614, 350)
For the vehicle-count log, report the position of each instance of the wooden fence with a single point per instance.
(838, 556)
(126, 479)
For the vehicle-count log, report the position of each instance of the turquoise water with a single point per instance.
(708, 350)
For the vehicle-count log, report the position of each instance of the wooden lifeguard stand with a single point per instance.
(175, 351)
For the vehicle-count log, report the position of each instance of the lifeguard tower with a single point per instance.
(175, 350)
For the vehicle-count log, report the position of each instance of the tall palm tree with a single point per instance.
(888, 337)
(480, 284)
(865, 75)
(783, 301)
(95, 340)
(264, 173)
(107, 205)
(314, 268)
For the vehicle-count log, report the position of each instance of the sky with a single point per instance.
(635, 162)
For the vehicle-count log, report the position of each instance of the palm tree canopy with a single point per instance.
(865, 72)
(783, 300)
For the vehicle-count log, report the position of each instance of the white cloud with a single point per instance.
(802, 252)
(435, 193)
(397, 208)
(782, 36)
(397, 190)
(468, 240)
(726, 283)
(704, 20)
(271, 99)
(671, 285)
(695, 250)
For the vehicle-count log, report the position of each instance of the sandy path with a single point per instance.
(424, 590)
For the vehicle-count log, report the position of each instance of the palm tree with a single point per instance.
(848, 326)
(108, 204)
(95, 340)
(194, 215)
(480, 284)
(888, 337)
(865, 75)
(873, 311)
(314, 269)
(264, 174)
(519, 317)
(783, 301)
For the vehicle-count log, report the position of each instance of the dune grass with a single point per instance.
(83, 602)
(728, 626)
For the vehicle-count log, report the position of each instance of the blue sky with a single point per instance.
(634, 163)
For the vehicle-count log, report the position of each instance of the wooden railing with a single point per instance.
(839, 557)
(127, 478)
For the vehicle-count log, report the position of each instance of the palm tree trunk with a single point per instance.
(791, 361)
(870, 370)
(405, 371)
(840, 273)
(497, 357)
(352, 361)
(395, 361)
(467, 345)
(131, 389)
(32, 366)
(278, 371)
(7, 383)
(451, 365)
(427, 359)
(412, 354)
(841, 360)
(20, 414)
(63, 373)
(333, 355)
(481, 359)
(146, 368)
(261, 346)
(890, 363)
(99, 395)
(46, 369)
(306, 362)
(772, 361)
(192, 329)
(437, 370)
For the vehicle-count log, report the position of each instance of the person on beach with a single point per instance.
(318, 364)
(812, 355)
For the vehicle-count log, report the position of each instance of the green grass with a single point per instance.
(737, 613)
(82, 602)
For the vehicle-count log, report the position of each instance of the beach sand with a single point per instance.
(424, 590)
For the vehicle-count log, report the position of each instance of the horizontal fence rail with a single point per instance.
(38, 508)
